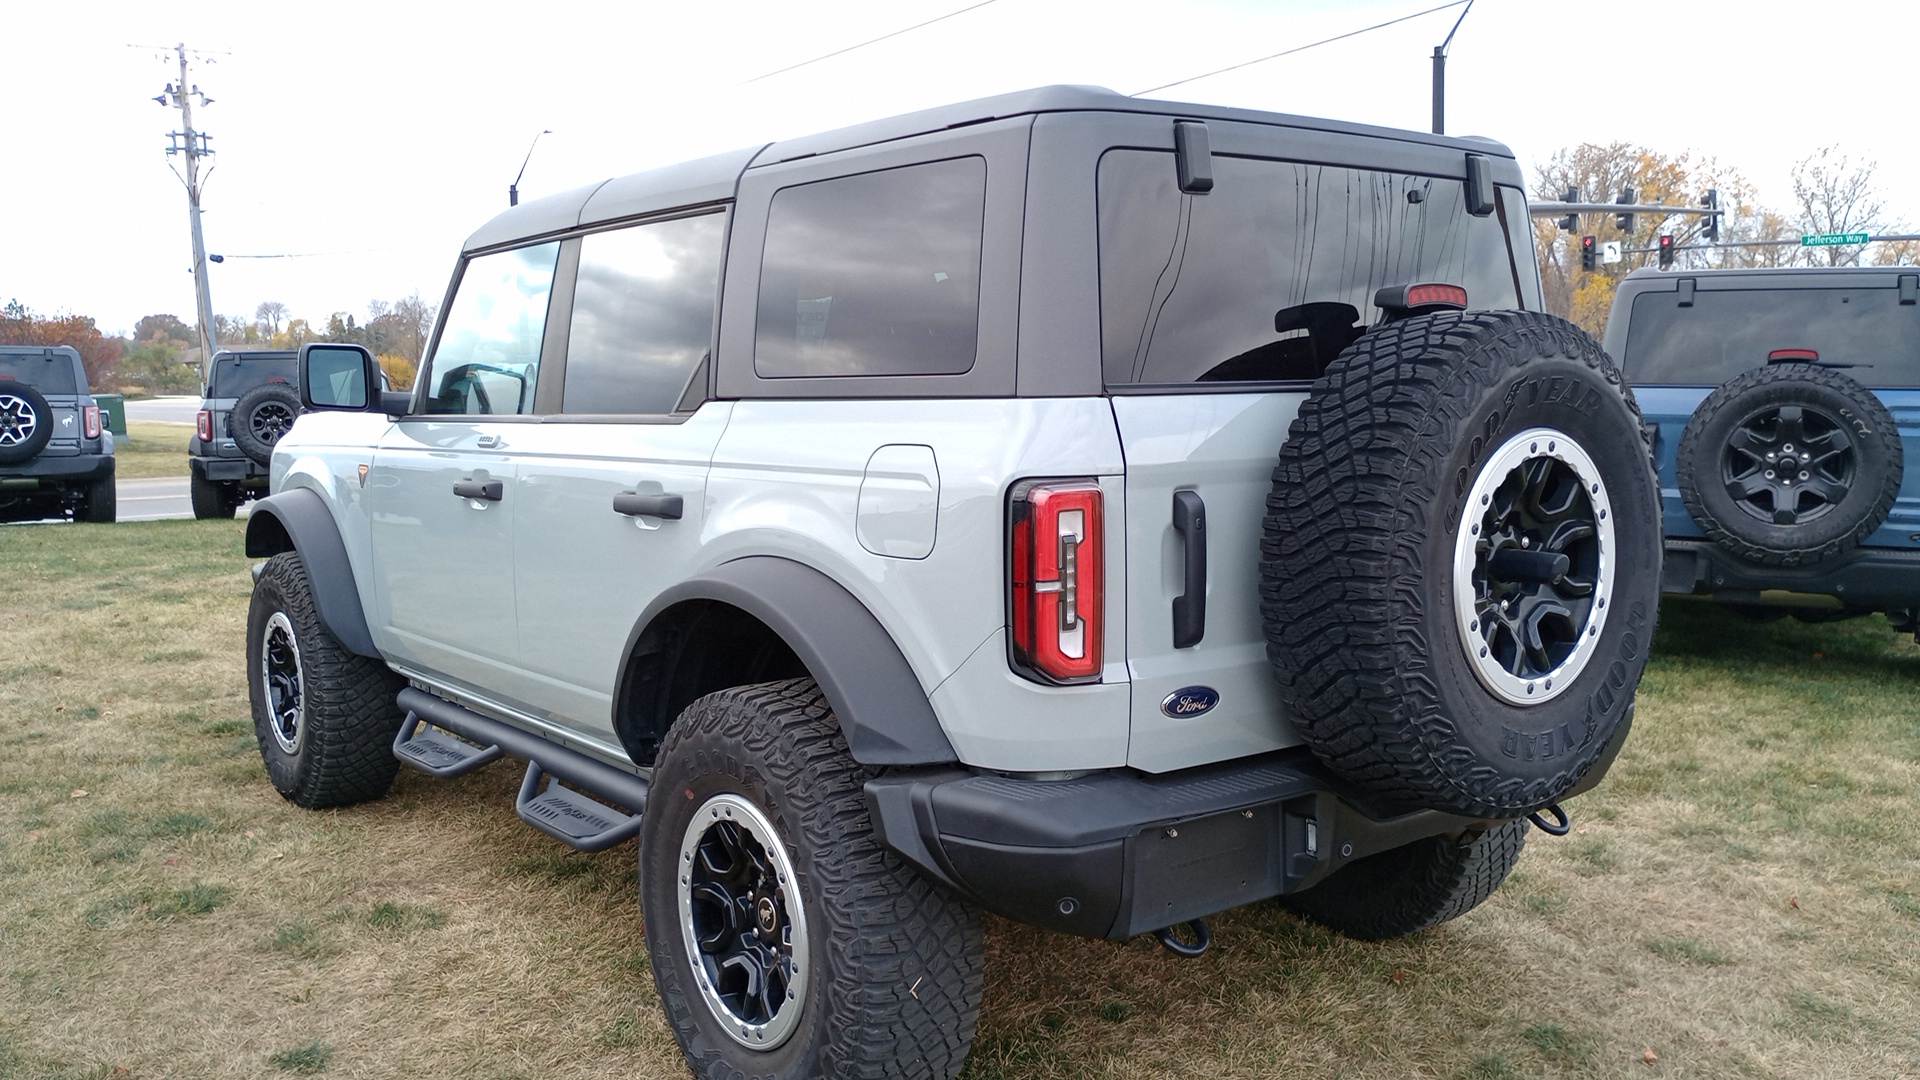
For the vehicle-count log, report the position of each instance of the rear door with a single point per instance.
(1218, 309)
(53, 373)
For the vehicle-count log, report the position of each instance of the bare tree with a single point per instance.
(271, 312)
(1835, 196)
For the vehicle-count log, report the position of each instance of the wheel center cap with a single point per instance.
(767, 915)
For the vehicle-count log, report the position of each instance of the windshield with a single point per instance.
(47, 374)
(233, 376)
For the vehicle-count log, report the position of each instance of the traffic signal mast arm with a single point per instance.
(1556, 209)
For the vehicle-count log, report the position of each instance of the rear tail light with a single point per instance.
(1058, 577)
(91, 421)
(203, 426)
(1783, 356)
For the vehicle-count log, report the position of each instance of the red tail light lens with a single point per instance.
(203, 426)
(91, 421)
(1778, 356)
(1058, 579)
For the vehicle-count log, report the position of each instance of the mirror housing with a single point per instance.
(342, 377)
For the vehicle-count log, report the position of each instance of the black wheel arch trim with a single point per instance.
(298, 520)
(882, 708)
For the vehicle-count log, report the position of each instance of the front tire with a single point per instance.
(786, 941)
(324, 716)
(1413, 888)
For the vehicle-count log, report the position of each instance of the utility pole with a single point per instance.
(194, 145)
(1440, 75)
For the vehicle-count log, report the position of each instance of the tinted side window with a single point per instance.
(488, 357)
(1271, 274)
(54, 376)
(1727, 332)
(642, 315)
(877, 274)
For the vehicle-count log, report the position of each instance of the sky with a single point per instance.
(370, 139)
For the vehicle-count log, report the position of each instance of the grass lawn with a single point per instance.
(1741, 897)
(151, 449)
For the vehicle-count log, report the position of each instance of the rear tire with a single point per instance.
(261, 417)
(211, 499)
(758, 813)
(102, 503)
(324, 716)
(1413, 888)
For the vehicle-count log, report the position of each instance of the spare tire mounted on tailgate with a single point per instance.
(1461, 561)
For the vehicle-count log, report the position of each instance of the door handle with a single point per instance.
(634, 504)
(486, 490)
(1190, 607)
(489, 442)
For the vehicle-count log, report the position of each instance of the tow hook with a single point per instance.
(1202, 938)
(1559, 826)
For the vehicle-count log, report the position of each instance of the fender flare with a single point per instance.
(882, 708)
(298, 520)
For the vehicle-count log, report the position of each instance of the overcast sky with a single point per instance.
(372, 138)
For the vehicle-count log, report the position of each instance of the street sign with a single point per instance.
(1610, 252)
(1832, 239)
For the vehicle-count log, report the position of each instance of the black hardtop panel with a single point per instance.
(53, 370)
(1650, 280)
(688, 183)
(235, 373)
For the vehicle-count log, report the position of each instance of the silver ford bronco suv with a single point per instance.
(1097, 511)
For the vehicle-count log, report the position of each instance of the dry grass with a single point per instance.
(1743, 898)
(151, 448)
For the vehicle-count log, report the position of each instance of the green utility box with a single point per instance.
(113, 412)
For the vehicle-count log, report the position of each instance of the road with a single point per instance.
(172, 409)
(158, 499)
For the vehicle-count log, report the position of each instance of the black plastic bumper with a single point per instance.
(63, 468)
(1113, 854)
(1870, 579)
(222, 468)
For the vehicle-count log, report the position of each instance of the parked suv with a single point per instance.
(1784, 404)
(1102, 512)
(249, 401)
(56, 458)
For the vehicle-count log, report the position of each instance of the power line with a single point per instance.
(864, 44)
(1301, 48)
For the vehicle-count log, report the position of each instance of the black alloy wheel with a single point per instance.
(283, 680)
(1788, 465)
(737, 912)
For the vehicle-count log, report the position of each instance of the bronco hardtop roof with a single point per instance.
(713, 179)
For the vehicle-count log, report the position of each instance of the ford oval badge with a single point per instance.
(1190, 701)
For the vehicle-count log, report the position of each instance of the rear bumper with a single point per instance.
(223, 468)
(1869, 579)
(1113, 854)
(71, 467)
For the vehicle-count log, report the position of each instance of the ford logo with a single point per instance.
(1190, 701)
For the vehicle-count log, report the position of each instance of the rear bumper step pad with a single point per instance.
(580, 818)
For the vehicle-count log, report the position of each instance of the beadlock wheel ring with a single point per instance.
(1533, 564)
(742, 923)
(284, 681)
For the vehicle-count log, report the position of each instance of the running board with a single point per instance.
(579, 818)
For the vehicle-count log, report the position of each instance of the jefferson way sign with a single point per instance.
(1832, 239)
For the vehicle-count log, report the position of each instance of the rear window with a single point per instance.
(49, 376)
(234, 377)
(1726, 332)
(1268, 276)
(875, 274)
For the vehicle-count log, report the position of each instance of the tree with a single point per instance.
(99, 354)
(400, 328)
(1834, 196)
(271, 312)
(164, 328)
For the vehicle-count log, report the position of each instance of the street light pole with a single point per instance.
(194, 145)
(1440, 74)
(513, 189)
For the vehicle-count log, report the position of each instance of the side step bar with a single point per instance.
(579, 819)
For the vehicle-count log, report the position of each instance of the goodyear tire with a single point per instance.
(26, 422)
(786, 942)
(1414, 887)
(324, 716)
(1789, 464)
(261, 416)
(1461, 561)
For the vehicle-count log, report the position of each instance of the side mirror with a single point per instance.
(341, 377)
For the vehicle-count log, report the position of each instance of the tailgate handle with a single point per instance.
(485, 490)
(634, 504)
(1190, 607)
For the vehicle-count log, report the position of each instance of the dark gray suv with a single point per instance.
(250, 400)
(56, 458)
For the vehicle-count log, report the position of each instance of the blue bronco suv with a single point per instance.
(1782, 405)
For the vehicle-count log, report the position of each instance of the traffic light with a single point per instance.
(1625, 221)
(1589, 249)
(1571, 221)
(1666, 251)
(1711, 234)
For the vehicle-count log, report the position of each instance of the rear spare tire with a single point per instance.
(1461, 561)
(26, 422)
(1789, 464)
(261, 416)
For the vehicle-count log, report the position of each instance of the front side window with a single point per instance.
(876, 274)
(1272, 273)
(1868, 333)
(642, 315)
(488, 357)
